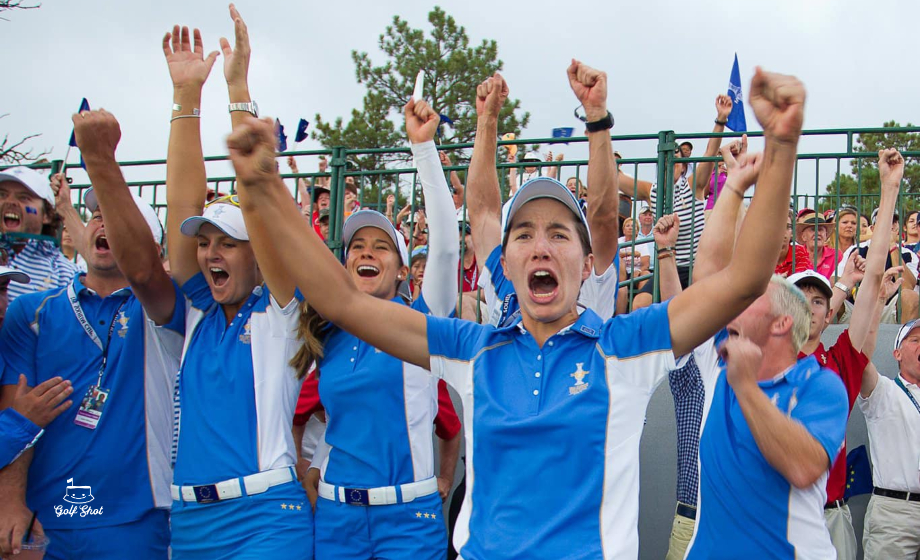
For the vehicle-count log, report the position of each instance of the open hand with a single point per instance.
(252, 150)
(44, 402)
(590, 87)
(778, 102)
(742, 170)
(236, 59)
(188, 66)
(890, 168)
(854, 270)
(421, 121)
(97, 133)
(891, 283)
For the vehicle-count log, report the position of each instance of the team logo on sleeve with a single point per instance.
(579, 376)
(246, 336)
(123, 321)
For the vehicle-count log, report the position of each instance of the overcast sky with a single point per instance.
(666, 62)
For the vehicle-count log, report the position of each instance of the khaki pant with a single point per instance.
(892, 530)
(840, 526)
(681, 533)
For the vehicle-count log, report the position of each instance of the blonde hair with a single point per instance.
(310, 329)
(787, 299)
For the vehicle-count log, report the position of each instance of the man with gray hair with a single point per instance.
(772, 425)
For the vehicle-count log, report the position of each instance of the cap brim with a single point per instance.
(814, 282)
(372, 218)
(14, 275)
(904, 331)
(191, 226)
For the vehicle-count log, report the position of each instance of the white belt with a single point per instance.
(383, 496)
(229, 489)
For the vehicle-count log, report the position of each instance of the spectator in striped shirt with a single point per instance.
(27, 207)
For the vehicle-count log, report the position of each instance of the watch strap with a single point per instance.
(605, 123)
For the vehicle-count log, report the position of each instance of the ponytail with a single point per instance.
(309, 330)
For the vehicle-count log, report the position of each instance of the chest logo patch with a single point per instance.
(246, 335)
(123, 321)
(579, 376)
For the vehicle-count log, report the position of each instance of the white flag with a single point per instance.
(419, 86)
(70, 481)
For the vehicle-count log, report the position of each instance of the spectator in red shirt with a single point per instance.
(469, 272)
(789, 252)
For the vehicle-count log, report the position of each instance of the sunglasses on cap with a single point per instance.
(226, 199)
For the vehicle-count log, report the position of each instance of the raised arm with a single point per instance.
(303, 190)
(267, 250)
(665, 232)
(393, 328)
(441, 281)
(63, 205)
(718, 240)
(135, 250)
(778, 102)
(785, 443)
(590, 87)
(483, 197)
(853, 271)
(704, 169)
(634, 188)
(455, 182)
(891, 169)
(186, 180)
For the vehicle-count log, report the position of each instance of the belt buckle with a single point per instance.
(206, 494)
(356, 497)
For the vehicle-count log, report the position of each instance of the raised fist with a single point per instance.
(252, 150)
(666, 230)
(590, 87)
(421, 121)
(97, 133)
(742, 360)
(778, 102)
(723, 107)
(491, 95)
(890, 168)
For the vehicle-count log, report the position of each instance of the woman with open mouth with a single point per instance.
(235, 490)
(555, 402)
(378, 452)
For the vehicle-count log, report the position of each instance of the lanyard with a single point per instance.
(88, 329)
(910, 396)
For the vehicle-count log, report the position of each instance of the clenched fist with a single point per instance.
(97, 133)
(252, 150)
(778, 102)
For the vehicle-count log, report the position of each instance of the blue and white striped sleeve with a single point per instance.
(17, 434)
(441, 269)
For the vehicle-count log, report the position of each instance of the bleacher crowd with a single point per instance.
(222, 386)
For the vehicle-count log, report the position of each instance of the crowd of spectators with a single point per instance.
(280, 403)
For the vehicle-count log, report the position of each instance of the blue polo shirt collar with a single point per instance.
(82, 290)
(588, 325)
(807, 365)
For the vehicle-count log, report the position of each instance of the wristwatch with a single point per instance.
(251, 108)
(842, 287)
(605, 123)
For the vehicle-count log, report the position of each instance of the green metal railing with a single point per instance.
(400, 178)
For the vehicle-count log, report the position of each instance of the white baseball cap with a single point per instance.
(150, 215)
(373, 218)
(14, 275)
(812, 278)
(222, 214)
(31, 179)
(532, 156)
(644, 207)
(543, 187)
(904, 331)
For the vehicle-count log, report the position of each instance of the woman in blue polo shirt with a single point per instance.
(235, 491)
(555, 402)
(379, 409)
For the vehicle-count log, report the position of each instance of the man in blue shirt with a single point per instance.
(98, 480)
(772, 427)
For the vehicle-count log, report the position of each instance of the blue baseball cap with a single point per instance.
(542, 187)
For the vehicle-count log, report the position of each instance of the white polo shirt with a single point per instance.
(894, 434)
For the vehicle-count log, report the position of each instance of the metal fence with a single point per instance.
(824, 159)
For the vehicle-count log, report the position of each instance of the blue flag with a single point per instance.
(736, 120)
(859, 473)
(565, 132)
(301, 130)
(84, 106)
(282, 139)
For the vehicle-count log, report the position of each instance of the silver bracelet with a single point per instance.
(842, 287)
(185, 117)
(176, 107)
